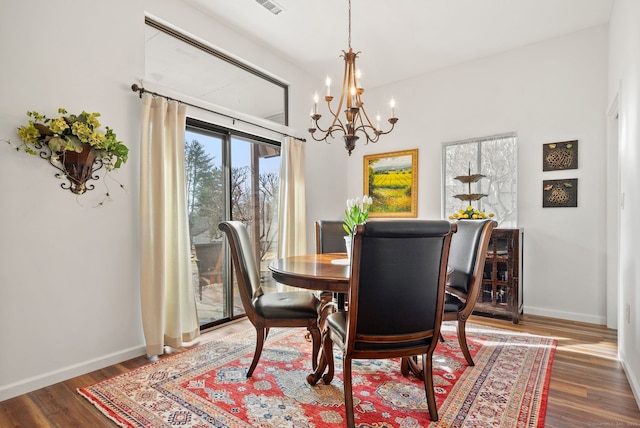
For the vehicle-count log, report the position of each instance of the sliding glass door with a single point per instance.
(229, 176)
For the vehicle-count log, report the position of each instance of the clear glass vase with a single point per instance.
(347, 243)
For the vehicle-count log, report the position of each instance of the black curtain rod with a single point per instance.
(141, 90)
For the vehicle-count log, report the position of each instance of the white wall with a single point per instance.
(624, 90)
(546, 92)
(69, 293)
(69, 271)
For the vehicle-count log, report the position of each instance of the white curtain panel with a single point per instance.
(169, 315)
(292, 218)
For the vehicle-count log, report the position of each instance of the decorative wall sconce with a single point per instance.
(73, 145)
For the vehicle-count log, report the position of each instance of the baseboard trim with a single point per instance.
(592, 319)
(46, 379)
(633, 381)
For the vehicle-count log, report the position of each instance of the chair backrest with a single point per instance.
(330, 236)
(244, 263)
(398, 277)
(468, 252)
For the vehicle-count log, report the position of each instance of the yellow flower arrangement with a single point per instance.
(470, 213)
(74, 145)
(68, 133)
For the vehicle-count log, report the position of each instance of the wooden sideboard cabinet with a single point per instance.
(501, 293)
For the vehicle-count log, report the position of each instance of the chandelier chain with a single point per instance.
(349, 24)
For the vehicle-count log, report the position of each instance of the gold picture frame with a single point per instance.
(391, 179)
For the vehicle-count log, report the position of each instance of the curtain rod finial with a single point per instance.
(136, 88)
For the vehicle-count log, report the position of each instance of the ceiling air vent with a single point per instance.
(271, 6)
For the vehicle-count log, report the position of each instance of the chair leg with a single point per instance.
(315, 345)
(261, 335)
(348, 392)
(326, 310)
(427, 374)
(462, 339)
(317, 374)
(410, 364)
(404, 366)
(327, 352)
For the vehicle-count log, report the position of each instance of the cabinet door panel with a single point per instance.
(502, 284)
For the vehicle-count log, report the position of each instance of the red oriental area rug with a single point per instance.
(206, 386)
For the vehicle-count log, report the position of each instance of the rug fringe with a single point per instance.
(104, 410)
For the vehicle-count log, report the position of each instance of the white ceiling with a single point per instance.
(402, 38)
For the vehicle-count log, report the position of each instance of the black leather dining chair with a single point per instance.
(396, 299)
(330, 239)
(330, 236)
(266, 310)
(467, 255)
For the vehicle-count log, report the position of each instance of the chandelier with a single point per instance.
(356, 120)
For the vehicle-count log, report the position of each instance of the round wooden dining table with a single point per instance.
(320, 272)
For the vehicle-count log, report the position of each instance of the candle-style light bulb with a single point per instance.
(315, 102)
(351, 99)
(378, 121)
(358, 76)
(328, 83)
(392, 103)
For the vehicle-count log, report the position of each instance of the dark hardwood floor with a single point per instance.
(588, 387)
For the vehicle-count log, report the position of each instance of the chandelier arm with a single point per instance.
(391, 120)
(393, 125)
(368, 131)
(337, 122)
(336, 114)
(345, 82)
(366, 128)
(320, 139)
(366, 116)
(368, 125)
(324, 131)
(336, 125)
(327, 133)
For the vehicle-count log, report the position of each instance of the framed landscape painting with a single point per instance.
(391, 179)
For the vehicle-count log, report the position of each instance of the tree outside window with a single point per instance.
(497, 159)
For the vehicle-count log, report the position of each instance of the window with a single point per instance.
(194, 68)
(229, 176)
(494, 157)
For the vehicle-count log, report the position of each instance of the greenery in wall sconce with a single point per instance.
(74, 145)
